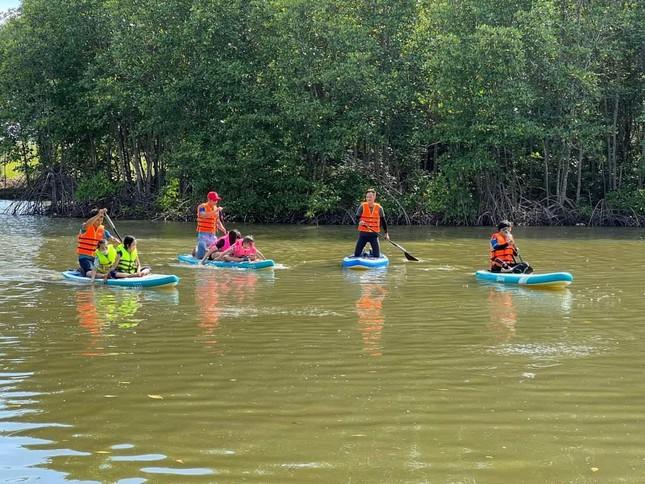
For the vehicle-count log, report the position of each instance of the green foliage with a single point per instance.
(631, 201)
(291, 108)
(169, 197)
(97, 188)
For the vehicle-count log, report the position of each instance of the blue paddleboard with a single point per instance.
(151, 280)
(363, 263)
(551, 279)
(260, 264)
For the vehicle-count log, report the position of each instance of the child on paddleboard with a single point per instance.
(243, 250)
(217, 248)
(127, 262)
(104, 258)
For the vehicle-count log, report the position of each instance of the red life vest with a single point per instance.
(207, 224)
(240, 251)
(89, 240)
(505, 255)
(372, 216)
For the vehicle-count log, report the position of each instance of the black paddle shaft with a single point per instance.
(113, 227)
(407, 255)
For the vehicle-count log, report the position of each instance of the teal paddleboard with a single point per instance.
(151, 280)
(259, 264)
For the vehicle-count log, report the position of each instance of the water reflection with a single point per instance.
(99, 309)
(505, 301)
(223, 293)
(503, 315)
(369, 308)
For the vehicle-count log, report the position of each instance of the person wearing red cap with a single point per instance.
(208, 223)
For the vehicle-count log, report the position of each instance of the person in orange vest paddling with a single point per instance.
(370, 219)
(503, 251)
(91, 233)
(208, 223)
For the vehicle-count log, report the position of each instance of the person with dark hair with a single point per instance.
(127, 262)
(91, 233)
(216, 249)
(242, 250)
(503, 251)
(370, 219)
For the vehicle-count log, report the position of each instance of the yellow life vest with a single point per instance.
(128, 261)
(105, 261)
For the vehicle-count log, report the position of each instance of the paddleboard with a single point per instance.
(151, 280)
(260, 264)
(364, 263)
(551, 279)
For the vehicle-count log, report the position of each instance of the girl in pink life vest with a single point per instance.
(242, 250)
(217, 248)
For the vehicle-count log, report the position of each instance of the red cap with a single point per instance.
(213, 197)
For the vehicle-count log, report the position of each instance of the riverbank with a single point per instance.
(542, 213)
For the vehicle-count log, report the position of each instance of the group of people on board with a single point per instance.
(97, 257)
(101, 254)
(231, 246)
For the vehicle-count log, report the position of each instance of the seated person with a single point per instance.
(222, 244)
(243, 250)
(105, 258)
(127, 262)
(503, 251)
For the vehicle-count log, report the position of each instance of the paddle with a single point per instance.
(407, 255)
(113, 226)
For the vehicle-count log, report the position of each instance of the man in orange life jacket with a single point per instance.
(208, 223)
(371, 218)
(503, 251)
(91, 233)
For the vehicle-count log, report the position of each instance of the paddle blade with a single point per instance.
(410, 257)
(407, 255)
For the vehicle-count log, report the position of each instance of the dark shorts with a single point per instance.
(86, 264)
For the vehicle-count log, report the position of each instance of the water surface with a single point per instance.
(308, 373)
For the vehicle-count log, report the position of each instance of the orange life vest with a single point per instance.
(372, 217)
(89, 240)
(505, 255)
(207, 224)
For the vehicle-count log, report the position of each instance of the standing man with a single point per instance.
(370, 218)
(91, 233)
(208, 223)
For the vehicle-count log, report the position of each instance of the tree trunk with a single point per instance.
(579, 180)
(546, 170)
(614, 134)
(564, 177)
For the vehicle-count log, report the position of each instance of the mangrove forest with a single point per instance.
(457, 111)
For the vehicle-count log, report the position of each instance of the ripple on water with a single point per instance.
(173, 471)
(544, 351)
(138, 458)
